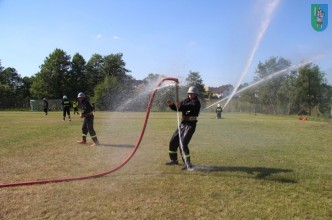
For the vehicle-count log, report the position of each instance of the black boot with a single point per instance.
(172, 162)
(187, 166)
(95, 142)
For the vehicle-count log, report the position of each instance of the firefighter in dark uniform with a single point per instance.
(219, 111)
(66, 104)
(87, 114)
(75, 107)
(190, 108)
(45, 106)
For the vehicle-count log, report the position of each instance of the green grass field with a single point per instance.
(246, 167)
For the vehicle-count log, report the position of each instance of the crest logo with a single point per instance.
(319, 16)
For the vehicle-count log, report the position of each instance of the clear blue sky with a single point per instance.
(170, 37)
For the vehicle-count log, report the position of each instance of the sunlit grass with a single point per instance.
(246, 167)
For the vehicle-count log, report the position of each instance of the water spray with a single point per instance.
(269, 77)
(265, 24)
(108, 171)
(183, 155)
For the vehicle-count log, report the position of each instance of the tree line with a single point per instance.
(295, 92)
(104, 79)
(107, 81)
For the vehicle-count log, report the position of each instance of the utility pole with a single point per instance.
(331, 107)
(309, 94)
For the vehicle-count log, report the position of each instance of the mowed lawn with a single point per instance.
(245, 167)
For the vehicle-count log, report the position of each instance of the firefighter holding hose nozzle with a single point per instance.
(190, 108)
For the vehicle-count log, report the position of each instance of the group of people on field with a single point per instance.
(86, 113)
(189, 107)
(66, 107)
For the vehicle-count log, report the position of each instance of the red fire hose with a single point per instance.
(108, 171)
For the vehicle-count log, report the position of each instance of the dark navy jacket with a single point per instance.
(188, 107)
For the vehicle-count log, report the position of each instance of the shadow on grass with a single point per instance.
(118, 145)
(260, 172)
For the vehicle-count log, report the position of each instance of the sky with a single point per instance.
(215, 38)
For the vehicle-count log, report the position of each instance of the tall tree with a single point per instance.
(10, 77)
(162, 94)
(108, 76)
(115, 66)
(94, 73)
(6, 94)
(10, 82)
(152, 79)
(326, 102)
(24, 90)
(195, 79)
(104, 94)
(1, 67)
(270, 92)
(287, 94)
(52, 81)
(77, 78)
(309, 86)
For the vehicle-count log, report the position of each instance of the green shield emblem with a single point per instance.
(319, 16)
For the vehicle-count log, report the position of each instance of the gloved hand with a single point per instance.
(169, 102)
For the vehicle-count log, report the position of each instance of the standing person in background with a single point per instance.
(45, 105)
(66, 104)
(219, 111)
(75, 107)
(87, 114)
(190, 108)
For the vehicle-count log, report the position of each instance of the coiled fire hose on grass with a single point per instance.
(108, 171)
